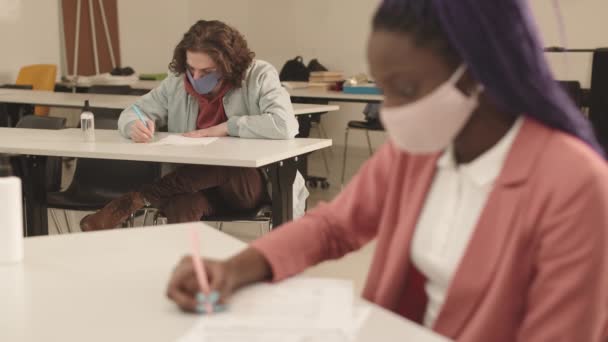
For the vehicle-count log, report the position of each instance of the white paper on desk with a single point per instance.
(315, 302)
(241, 331)
(180, 140)
(298, 310)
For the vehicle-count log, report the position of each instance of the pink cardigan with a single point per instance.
(536, 268)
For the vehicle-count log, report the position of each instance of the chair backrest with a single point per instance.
(372, 111)
(574, 89)
(40, 77)
(112, 90)
(118, 176)
(10, 113)
(41, 122)
(598, 101)
(372, 116)
(53, 164)
(104, 123)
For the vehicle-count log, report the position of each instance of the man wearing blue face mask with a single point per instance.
(217, 89)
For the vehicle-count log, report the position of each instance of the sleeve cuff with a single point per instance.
(280, 270)
(127, 130)
(233, 127)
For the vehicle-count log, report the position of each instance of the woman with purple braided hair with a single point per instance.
(489, 203)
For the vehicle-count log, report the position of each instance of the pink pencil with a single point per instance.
(199, 269)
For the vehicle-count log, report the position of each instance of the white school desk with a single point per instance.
(279, 158)
(111, 285)
(139, 84)
(304, 93)
(317, 94)
(76, 100)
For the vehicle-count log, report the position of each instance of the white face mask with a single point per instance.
(430, 124)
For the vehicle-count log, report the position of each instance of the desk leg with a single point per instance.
(305, 122)
(34, 193)
(282, 176)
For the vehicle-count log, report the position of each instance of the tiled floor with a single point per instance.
(352, 267)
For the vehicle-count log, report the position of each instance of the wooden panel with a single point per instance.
(86, 62)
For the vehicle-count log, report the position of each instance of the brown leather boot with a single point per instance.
(114, 213)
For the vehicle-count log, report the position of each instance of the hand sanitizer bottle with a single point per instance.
(87, 123)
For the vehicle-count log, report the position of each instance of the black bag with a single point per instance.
(295, 70)
(126, 71)
(314, 65)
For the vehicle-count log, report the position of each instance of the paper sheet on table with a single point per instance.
(298, 310)
(180, 140)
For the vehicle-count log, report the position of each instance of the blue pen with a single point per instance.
(140, 115)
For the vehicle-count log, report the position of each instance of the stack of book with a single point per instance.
(325, 77)
(304, 85)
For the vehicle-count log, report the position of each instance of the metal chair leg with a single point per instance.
(145, 216)
(129, 222)
(344, 158)
(324, 151)
(369, 143)
(132, 220)
(67, 221)
(325, 161)
(267, 225)
(155, 219)
(323, 133)
(54, 217)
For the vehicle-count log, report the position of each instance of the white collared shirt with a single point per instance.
(449, 216)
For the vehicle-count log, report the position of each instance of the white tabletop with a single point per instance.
(317, 93)
(311, 92)
(68, 100)
(76, 100)
(109, 144)
(304, 108)
(140, 84)
(110, 286)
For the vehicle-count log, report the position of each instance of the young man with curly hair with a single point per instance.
(216, 89)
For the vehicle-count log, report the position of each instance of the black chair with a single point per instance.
(99, 181)
(53, 164)
(117, 90)
(11, 113)
(574, 89)
(371, 123)
(41, 122)
(107, 113)
(263, 213)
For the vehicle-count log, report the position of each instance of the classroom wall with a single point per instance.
(325, 30)
(29, 34)
(333, 31)
(313, 29)
(149, 31)
(585, 24)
